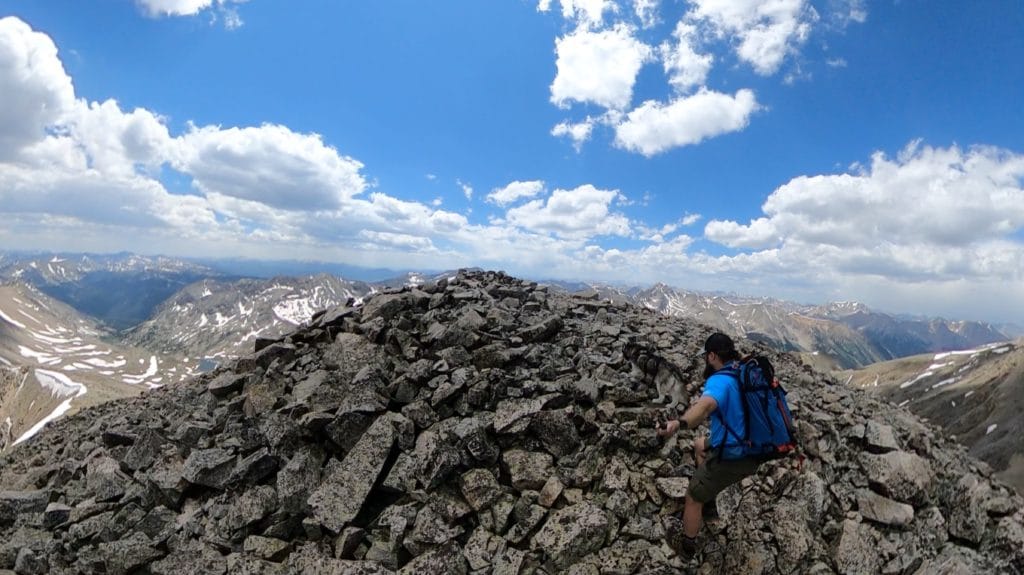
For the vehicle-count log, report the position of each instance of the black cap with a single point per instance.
(719, 343)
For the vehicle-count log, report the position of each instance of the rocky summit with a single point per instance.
(482, 424)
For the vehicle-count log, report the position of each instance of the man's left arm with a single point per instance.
(698, 412)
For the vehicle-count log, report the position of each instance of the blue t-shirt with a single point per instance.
(726, 391)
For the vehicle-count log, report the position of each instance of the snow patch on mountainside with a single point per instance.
(295, 311)
(919, 377)
(60, 385)
(11, 321)
(42, 357)
(154, 367)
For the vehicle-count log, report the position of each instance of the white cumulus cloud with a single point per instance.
(646, 12)
(181, 7)
(120, 142)
(766, 30)
(588, 13)
(578, 132)
(654, 127)
(598, 62)
(686, 68)
(515, 191)
(174, 7)
(938, 213)
(224, 9)
(270, 164)
(36, 92)
(598, 67)
(401, 241)
(759, 233)
(582, 212)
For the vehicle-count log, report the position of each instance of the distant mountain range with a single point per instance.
(840, 335)
(159, 299)
(121, 290)
(76, 330)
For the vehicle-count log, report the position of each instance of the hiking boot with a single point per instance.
(710, 510)
(685, 547)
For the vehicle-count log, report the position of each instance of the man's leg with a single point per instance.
(692, 516)
(692, 509)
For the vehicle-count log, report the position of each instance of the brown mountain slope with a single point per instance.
(977, 396)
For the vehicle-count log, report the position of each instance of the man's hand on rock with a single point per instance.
(668, 428)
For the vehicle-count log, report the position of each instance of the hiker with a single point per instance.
(719, 464)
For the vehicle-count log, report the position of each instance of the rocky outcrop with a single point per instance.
(481, 424)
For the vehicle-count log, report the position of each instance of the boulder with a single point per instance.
(346, 484)
(209, 467)
(884, 510)
(900, 475)
(445, 559)
(18, 502)
(250, 507)
(105, 479)
(572, 533)
(855, 551)
(674, 487)
(879, 437)
(55, 514)
(556, 431)
(126, 555)
(528, 469)
(28, 562)
(967, 519)
(297, 480)
(192, 557)
(227, 383)
(480, 488)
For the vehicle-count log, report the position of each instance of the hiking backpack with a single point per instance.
(770, 430)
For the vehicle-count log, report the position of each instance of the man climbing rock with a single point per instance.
(719, 463)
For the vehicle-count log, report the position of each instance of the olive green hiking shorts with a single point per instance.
(717, 474)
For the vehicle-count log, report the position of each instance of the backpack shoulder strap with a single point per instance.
(732, 369)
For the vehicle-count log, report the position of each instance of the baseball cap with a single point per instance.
(719, 343)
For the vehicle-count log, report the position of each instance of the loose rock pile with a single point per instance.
(481, 425)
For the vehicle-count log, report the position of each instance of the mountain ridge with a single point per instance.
(854, 336)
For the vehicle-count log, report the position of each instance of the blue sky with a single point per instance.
(814, 150)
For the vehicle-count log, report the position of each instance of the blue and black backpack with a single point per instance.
(770, 432)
